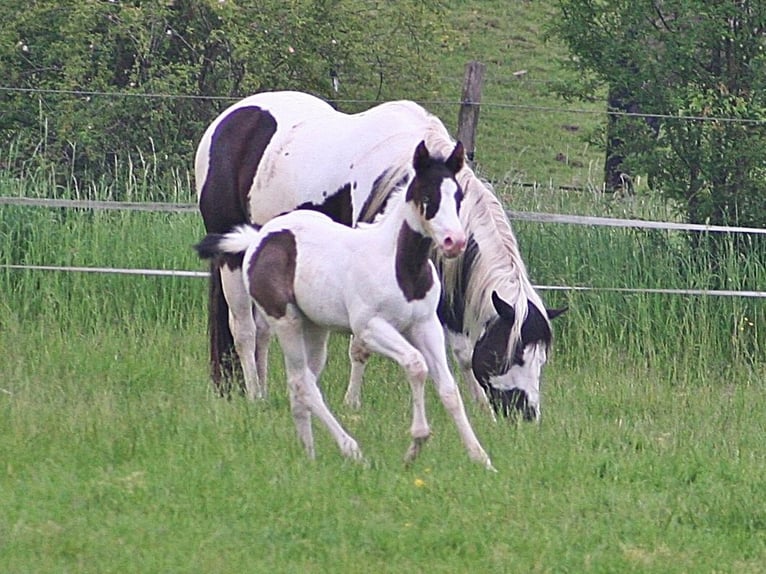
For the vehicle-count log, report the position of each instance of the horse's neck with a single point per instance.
(400, 227)
(412, 250)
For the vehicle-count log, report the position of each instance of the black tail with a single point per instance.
(209, 247)
(224, 364)
(223, 358)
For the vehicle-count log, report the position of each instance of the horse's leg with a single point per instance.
(289, 331)
(316, 338)
(381, 337)
(463, 351)
(299, 409)
(428, 337)
(219, 333)
(358, 356)
(304, 346)
(262, 342)
(242, 326)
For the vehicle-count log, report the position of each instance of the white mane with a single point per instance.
(498, 265)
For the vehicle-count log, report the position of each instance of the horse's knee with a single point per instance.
(416, 367)
(358, 353)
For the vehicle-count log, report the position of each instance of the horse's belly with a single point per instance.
(322, 302)
(268, 202)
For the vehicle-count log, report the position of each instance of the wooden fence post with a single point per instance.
(468, 117)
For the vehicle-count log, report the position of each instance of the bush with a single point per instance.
(64, 60)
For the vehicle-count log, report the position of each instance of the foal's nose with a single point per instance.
(453, 245)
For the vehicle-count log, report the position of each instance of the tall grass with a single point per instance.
(691, 335)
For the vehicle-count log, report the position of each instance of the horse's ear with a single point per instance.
(553, 313)
(456, 159)
(503, 309)
(421, 157)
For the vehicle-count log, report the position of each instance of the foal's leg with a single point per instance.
(358, 356)
(262, 341)
(289, 331)
(304, 347)
(429, 338)
(242, 327)
(316, 347)
(381, 337)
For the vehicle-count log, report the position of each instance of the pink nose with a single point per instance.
(452, 246)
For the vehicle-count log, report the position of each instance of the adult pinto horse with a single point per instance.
(275, 152)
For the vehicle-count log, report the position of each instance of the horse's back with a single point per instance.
(275, 151)
(331, 162)
(311, 254)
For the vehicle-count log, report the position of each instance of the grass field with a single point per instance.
(115, 455)
(125, 463)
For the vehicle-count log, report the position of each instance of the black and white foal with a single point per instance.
(309, 275)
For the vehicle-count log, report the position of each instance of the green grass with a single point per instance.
(116, 457)
(525, 133)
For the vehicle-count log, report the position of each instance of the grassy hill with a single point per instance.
(525, 132)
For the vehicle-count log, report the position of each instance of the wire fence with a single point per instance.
(544, 218)
(435, 102)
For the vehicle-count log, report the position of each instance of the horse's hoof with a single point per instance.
(352, 403)
(414, 450)
(351, 450)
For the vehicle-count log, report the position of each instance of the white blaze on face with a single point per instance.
(445, 227)
(525, 377)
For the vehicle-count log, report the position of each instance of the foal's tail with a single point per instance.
(234, 243)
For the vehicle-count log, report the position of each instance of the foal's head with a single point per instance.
(437, 196)
(511, 376)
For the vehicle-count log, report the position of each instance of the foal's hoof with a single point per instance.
(483, 459)
(351, 450)
(414, 450)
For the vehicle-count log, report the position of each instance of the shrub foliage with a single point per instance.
(688, 59)
(205, 52)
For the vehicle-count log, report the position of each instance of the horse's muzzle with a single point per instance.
(512, 403)
(452, 246)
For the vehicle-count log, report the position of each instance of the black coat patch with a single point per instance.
(453, 315)
(236, 150)
(413, 273)
(272, 273)
(336, 206)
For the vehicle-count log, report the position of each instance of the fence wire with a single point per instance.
(513, 215)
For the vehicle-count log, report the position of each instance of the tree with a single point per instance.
(698, 69)
(197, 50)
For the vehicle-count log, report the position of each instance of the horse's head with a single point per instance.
(510, 372)
(437, 196)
